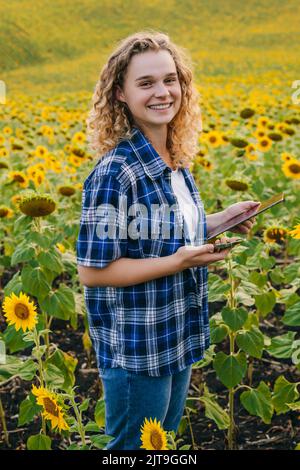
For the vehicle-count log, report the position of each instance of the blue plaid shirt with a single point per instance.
(157, 327)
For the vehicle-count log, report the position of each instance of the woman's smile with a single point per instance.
(161, 107)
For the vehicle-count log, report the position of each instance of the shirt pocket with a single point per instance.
(152, 248)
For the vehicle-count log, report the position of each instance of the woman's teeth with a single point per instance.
(161, 106)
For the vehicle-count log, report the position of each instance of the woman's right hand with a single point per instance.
(191, 256)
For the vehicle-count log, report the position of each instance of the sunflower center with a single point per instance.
(22, 311)
(294, 168)
(156, 440)
(3, 212)
(276, 234)
(51, 407)
(19, 178)
(212, 139)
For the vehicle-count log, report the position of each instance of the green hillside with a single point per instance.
(58, 45)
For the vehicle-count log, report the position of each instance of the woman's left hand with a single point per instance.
(237, 208)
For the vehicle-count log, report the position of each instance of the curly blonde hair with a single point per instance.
(110, 120)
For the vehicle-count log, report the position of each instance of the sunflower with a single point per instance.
(153, 436)
(4, 152)
(225, 138)
(3, 164)
(285, 156)
(206, 164)
(49, 132)
(64, 126)
(280, 126)
(70, 169)
(16, 199)
(41, 151)
(66, 190)
(52, 411)
(291, 168)
(201, 153)
(19, 177)
(275, 136)
(237, 184)
(239, 143)
(263, 121)
(67, 148)
(74, 160)
(5, 212)
(78, 186)
(31, 170)
(264, 144)
(38, 177)
(214, 138)
(20, 133)
(17, 146)
(20, 312)
(289, 130)
(79, 137)
(7, 130)
(56, 167)
(295, 233)
(61, 247)
(275, 234)
(251, 152)
(246, 113)
(37, 205)
(78, 152)
(259, 133)
(293, 120)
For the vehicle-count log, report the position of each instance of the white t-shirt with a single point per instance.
(186, 202)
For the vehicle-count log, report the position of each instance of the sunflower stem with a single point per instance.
(41, 372)
(3, 422)
(191, 429)
(285, 259)
(232, 284)
(37, 224)
(79, 419)
(232, 305)
(44, 425)
(46, 335)
(40, 363)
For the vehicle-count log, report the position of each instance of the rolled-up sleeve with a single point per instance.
(103, 224)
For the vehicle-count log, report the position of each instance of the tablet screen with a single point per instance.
(238, 219)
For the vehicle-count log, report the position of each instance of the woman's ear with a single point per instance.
(119, 94)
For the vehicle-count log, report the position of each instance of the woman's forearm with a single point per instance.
(213, 220)
(125, 272)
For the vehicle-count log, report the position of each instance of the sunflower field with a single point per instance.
(245, 393)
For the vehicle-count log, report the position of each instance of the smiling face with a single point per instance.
(151, 79)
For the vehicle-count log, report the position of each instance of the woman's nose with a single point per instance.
(161, 90)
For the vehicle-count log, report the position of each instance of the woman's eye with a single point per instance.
(168, 80)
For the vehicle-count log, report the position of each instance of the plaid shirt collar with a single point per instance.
(151, 161)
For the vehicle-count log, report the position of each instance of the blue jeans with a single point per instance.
(130, 398)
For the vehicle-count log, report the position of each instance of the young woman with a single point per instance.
(145, 281)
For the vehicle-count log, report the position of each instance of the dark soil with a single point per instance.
(251, 432)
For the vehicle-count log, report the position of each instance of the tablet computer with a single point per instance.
(238, 219)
